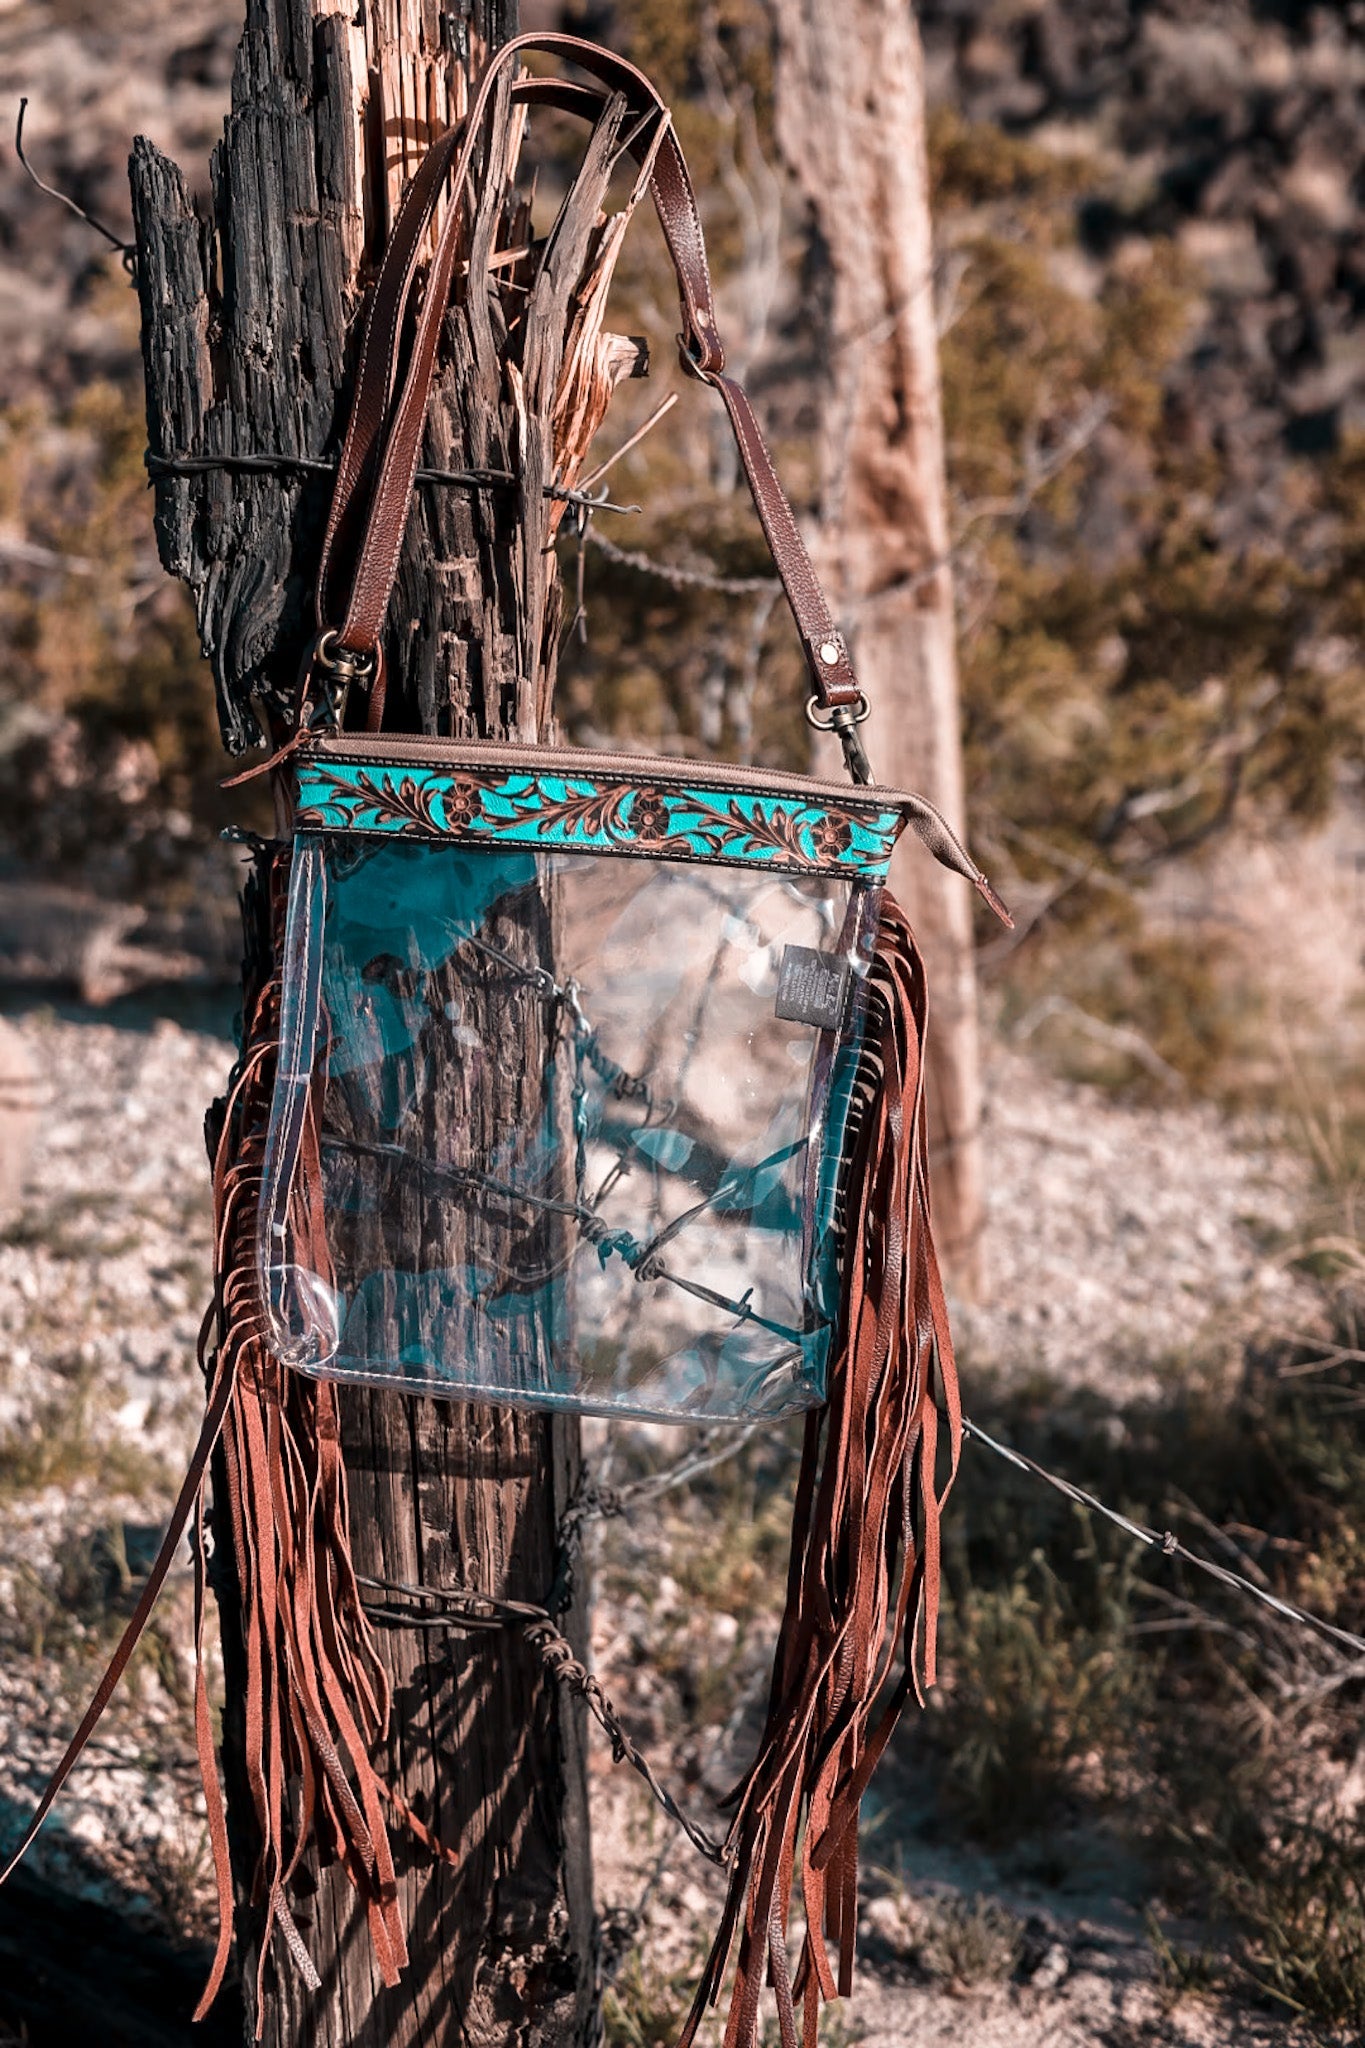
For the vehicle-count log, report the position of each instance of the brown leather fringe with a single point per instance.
(317, 1696)
(863, 1580)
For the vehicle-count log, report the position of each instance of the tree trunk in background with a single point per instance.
(249, 338)
(850, 115)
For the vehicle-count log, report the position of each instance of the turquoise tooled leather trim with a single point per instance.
(591, 814)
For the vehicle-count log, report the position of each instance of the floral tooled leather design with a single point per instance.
(461, 803)
(832, 836)
(582, 813)
(649, 817)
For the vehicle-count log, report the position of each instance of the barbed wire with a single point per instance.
(1168, 1543)
(673, 573)
(260, 462)
(127, 250)
(428, 1607)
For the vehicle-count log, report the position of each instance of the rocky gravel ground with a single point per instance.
(103, 1278)
(1119, 1239)
(1116, 1233)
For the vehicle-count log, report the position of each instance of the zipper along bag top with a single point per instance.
(581, 1079)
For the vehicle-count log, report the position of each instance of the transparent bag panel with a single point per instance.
(541, 1133)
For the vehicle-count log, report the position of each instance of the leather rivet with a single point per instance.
(829, 653)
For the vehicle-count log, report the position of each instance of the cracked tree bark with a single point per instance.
(249, 335)
(850, 116)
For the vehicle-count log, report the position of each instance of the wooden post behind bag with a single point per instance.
(249, 338)
(883, 541)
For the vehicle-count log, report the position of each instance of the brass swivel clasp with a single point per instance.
(338, 667)
(843, 721)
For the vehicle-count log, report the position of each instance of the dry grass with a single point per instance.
(65, 1441)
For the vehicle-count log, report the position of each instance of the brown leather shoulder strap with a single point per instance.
(379, 461)
(377, 370)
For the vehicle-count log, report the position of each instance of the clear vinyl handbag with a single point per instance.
(568, 1047)
(569, 1041)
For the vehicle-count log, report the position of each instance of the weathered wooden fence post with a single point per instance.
(248, 336)
(884, 542)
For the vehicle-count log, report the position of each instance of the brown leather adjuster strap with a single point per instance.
(379, 462)
(376, 372)
(396, 451)
(349, 541)
(835, 683)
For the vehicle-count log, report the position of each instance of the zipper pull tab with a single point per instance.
(297, 739)
(933, 828)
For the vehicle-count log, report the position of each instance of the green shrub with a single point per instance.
(1087, 1680)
